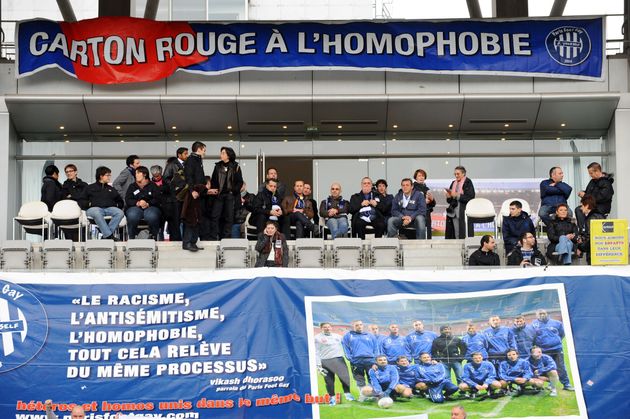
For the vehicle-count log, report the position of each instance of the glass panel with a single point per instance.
(188, 9)
(226, 9)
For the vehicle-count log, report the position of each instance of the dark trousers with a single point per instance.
(191, 233)
(360, 371)
(172, 212)
(336, 367)
(429, 229)
(558, 357)
(222, 216)
(358, 226)
(301, 223)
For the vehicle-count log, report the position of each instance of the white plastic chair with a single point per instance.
(67, 215)
(480, 210)
(34, 218)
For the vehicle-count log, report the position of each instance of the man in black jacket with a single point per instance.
(365, 211)
(267, 206)
(102, 200)
(450, 351)
(142, 200)
(485, 256)
(174, 180)
(73, 187)
(527, 254)
(191, 209)
(227, 180)
(599, 187)
(52, 191)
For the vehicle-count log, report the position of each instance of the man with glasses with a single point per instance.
(527, 254)
(102, 200)
(73, 187)
(334, 210)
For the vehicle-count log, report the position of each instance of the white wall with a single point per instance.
(278, 10)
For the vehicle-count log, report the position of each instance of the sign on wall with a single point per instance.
(112, 50)
(609, 242)
(243, 344)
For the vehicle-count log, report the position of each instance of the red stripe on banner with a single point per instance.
(107, 35)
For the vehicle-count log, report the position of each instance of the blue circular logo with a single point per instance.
(568, 45)
(23, 326)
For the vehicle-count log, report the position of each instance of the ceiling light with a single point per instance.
(176, 141)
(557, 138)
(229, 127)
(506, 125)
(448, 139)
(284, 127)
(503, 139)
(231, 141)
(338, 139)
(117, 126)
(393, 139)
(339, 126)
(65, 135)
(394, 126)
(67, 141)
(173, 127)
(62, 127)
(242, 145)
(229, 135)
(122, 141)
(450, 125)
(285, 140)
(563, 124)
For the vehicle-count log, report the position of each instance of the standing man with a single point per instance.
(102, 200)
(375, 331)
(524, 335)
(197, 189)
(363, 207)
(127, 176)
(176, 181)
(73, 187)
(515, 225)
(500, 339)
(553, 191)
(450, 351)
(549, 335)
(360, 349)
(52, 191)
(408, 210)
(227, 180)
(419, 340)
(393, 345)
(475, 342)
(330, 362)
(600, 187)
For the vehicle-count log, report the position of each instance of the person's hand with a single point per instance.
(374, 367)
(365, 203)
(213, 191)
(322, 371)
(373, 202)
(276, 212)
(581, 194)
(298, 210)
(570, 236)
(406, 220)
(479, 387)
(332, 212)
(195, 194)
(525, 262)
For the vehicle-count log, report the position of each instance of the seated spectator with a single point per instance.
(101, 200)
(562, 234)
(384, 199)
(515, 225)
(485, 256)
(52, 191)
(298, 212)
(267, 206)
(600, 187)
(553, 191)
(363, 207)
(408, 210)
(272, 173)
(308, 194)
(244, 205)
(73, 187)
(142, 200)
(527, 254)
(591, 212)
(127, 176)
(272, 247)
(419, 178)
(334, 210)
(156, 175)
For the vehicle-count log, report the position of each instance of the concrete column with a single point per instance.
(618, 135)
(9, 191)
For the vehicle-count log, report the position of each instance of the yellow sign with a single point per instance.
(609, 242)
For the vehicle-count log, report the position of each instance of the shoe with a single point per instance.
(362, 398)
(569, 387)
(349, 397)
(190, 246)
(198, 247)
(554, 392)
(333, 401)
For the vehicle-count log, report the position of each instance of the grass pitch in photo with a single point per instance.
(497, 354)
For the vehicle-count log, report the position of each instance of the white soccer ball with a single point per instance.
(385, 403)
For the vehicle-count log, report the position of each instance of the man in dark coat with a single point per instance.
(52, 191)
(515, 225)
(73, 187)
(191, 209)
(450, 351)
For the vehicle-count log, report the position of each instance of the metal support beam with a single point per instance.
(473, 9)
(558, 8)
(151, 9)
(510, 8)
(114, 8)
(66, 10)
(625, 29)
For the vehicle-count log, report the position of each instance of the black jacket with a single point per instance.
(262, 257)
(193, 170)
(101, 195)
(448, 349)
(516, 257)
(171, 168)
(559, 227)
(585, 229)
(151, 194)
(459, 205)
(422, 187)
(602, 190)
(357, 198)
(514, 227)
(73, 189)
(262, 203)
(243, 206)
(52, 192)
(281, 189)
(481, 258)
(227, 178)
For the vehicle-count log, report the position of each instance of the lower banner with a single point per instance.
(294, 343)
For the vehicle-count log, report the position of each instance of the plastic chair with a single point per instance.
(34, 219)
(310, 253)
(480, 210)
(67, 215)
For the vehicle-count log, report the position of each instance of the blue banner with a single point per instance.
(122, 49)
(255, 344)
